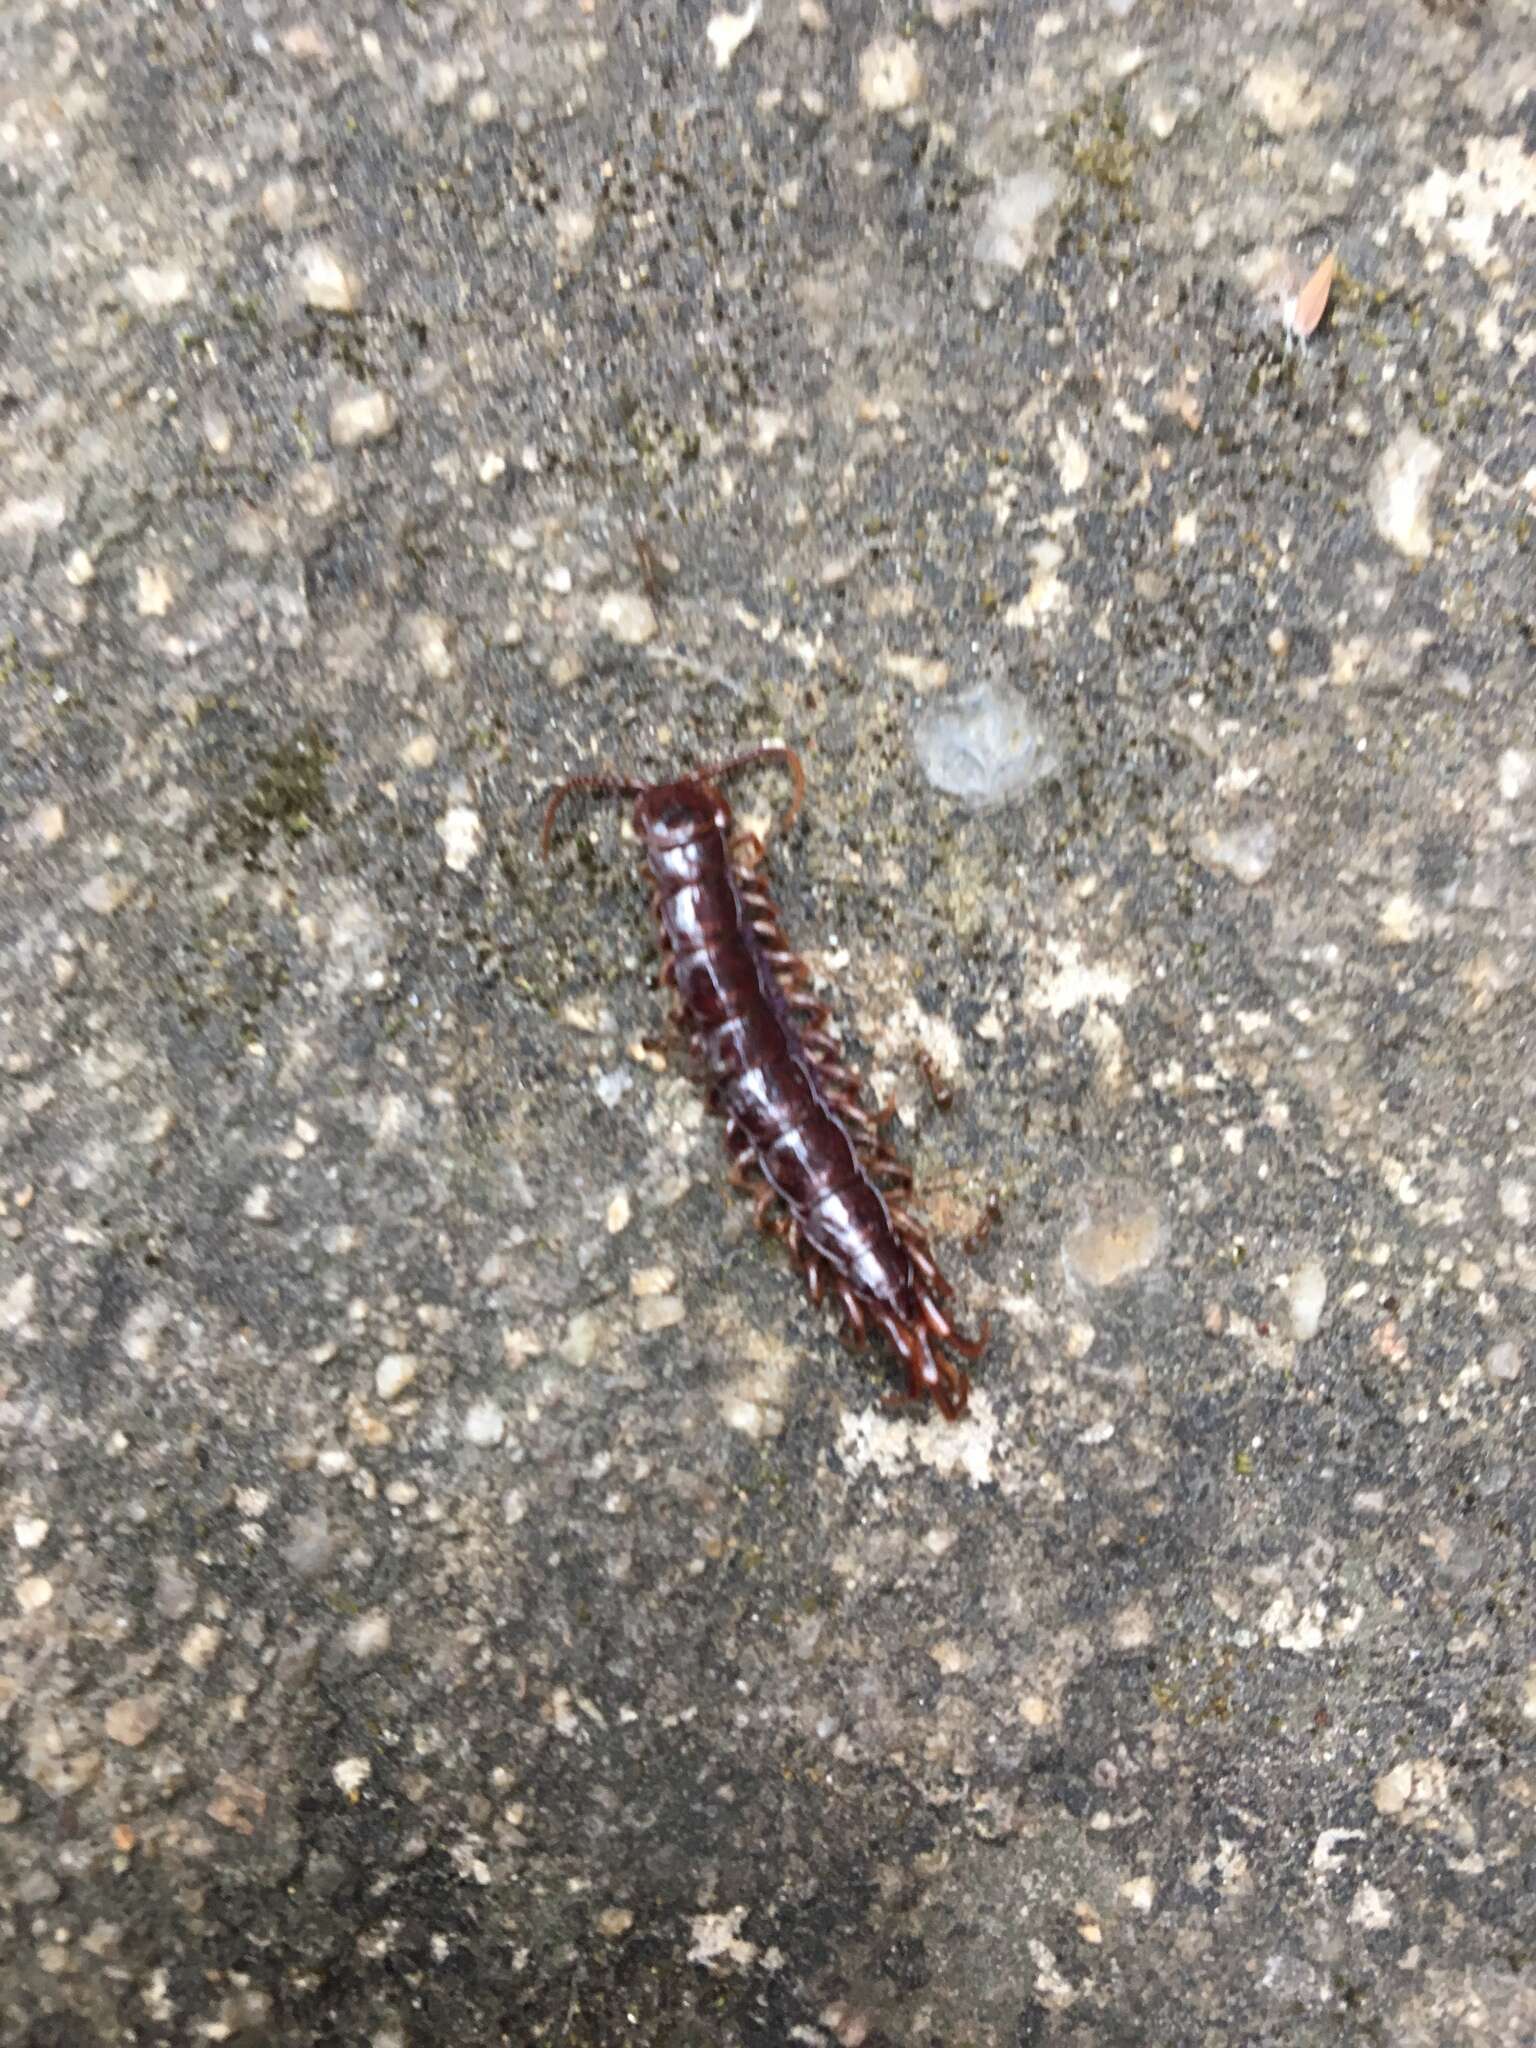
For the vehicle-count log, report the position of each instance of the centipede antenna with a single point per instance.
(583, 785)
(774, 751)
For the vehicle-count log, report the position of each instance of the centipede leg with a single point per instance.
(853, 1309)
(945, 1331)
(923, 1260)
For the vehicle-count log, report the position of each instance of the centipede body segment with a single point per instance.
(800, 1139)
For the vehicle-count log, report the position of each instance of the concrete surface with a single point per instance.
(459, 1592)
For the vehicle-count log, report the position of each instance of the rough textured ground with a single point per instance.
(458, 1590)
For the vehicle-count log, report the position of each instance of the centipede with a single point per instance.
(801, 1137)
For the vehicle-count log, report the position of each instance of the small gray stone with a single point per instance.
(1504, 1361)
(38, 1888)
(985, 746)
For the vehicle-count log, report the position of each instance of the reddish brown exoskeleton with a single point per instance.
(799, 1136)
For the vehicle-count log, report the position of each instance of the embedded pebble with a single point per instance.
(613, 1086)
(628, 617)
(153, 594)
(369, 416)
(658, 1312)
(280, 203)
(460, 832)
(1246, 852)
(614, 1921)
(727, 32)
(583, 1335)
(23, 521)
(1121, 1236)
(1307, 1291)
(30, 1531)
(1505, 1362)
(1517, 771)
(328, 283)
(1009, 232)
(484, 1424)
(986, 746)
(200, 1645)
(1283, 97)
(157, 288)
(132, 1721)
(618, 1215)
(368, 1636)
(394, 1373)
(17, 1302)
(1401, 919)
(351, 1774)
(652, 1280)
(890, 76)
(1401, 486)
(430, 636)
(33, 1594)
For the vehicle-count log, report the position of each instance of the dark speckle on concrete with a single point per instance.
(458, 1590)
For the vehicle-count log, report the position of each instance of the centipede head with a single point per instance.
(671, 813)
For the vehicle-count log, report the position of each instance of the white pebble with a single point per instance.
(79, 569)
(352, 1774)
(17, 1302)
(459, 830)
(30, 1531)
(727, 32)
(618, 1213)
(367, 417)
(106, 893)
(280, 203)
(1008, 231)
(890, 77)
(1516, 772)
(491, 467)
(1246, 852)
(158, 287)
(652, 1280)
(152, 591)
(200, 1646)
(484, 1424)
(1505, 1362)
(368, 1636)
(1306, 1291)
(394, 1373)
(658, 1312)
(328, 283)
(1401, 919)
(33, 1595)
(627, 616)
(1401, 486)
(984, 745)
